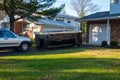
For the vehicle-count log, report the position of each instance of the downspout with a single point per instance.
(108, 31)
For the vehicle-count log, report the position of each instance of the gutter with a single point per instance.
(97, 19)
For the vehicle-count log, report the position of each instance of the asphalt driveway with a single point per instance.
(10, 52)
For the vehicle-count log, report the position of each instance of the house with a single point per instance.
(28, 28)
(21, 26)
(72, 20)
(47, 26)
(104, 26)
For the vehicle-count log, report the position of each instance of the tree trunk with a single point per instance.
(11, 15)
(12, 23)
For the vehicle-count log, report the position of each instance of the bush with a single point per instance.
(33, 40)
(104, 43)
(113, 43)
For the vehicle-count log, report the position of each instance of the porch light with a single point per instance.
(112, 1)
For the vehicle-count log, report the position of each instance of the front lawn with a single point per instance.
(68, 64)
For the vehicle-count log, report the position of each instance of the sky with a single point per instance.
(104, 5)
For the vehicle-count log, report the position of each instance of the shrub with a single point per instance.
(104, 43)
(113, 43)
(33, 40)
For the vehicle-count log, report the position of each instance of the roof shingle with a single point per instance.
(99, 15)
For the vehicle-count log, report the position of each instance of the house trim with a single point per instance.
(98, 19)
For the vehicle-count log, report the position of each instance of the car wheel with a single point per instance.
(24, 47)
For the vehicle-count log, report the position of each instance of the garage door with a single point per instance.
(98, 33)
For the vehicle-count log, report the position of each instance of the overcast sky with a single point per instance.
(104, 5)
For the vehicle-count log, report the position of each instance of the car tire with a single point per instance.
(24, 46)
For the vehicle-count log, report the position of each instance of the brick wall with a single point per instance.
(18, 28)
(115, 30)
(62, 36)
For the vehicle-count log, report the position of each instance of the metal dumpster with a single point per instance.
(58, 39)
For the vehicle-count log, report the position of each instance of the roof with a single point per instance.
(61, 15)
(7, 20)
(51, 22)
(42, 21)
(100, 16)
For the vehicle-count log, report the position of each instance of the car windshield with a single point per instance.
(7, 34)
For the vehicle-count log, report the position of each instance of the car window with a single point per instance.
(1, 34)
(8, 34)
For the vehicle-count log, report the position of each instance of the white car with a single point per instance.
(9, 39)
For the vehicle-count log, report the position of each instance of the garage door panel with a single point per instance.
(98, 33)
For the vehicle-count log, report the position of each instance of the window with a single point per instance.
(27, 1)
(59, 19)
(25, 26)
(6, 26)
(117, 1)
(8, 34)
(1, 34)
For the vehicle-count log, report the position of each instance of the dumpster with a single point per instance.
(58, 39)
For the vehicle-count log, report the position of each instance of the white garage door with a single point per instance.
(97, 34)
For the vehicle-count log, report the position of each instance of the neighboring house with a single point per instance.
(21, 25)
(104, 26)
(28, 28)
(72, 20)
(54, 26)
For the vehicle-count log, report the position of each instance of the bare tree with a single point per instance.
(84, 7)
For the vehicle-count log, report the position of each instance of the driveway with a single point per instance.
(10, 52)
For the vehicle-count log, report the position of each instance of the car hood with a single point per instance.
(24, 38)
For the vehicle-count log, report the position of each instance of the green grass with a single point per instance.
(68, 64)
